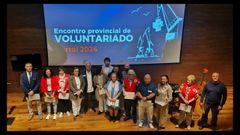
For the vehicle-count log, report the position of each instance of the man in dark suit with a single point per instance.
(89, 90)
(29, 81)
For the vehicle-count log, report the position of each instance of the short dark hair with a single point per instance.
(76, 68)
(28, 63)
(107, 59)
(61, 68)
(44, 72)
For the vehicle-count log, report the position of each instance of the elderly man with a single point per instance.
(213, 97)
(130, 86)
(89, 90)
(145, 92)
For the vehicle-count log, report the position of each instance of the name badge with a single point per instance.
(150, 91)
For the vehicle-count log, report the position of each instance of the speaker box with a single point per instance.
(18, 61)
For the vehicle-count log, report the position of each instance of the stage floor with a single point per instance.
(93, 122)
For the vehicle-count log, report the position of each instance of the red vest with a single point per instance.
(193, 93)
(132, 87)
(67, 77)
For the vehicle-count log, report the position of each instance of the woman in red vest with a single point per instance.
(188, 96)
(49, 87)
(64, 104)
(130, 84)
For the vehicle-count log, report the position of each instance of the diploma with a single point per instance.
(129, 95)
(185, 107)
(34, 97)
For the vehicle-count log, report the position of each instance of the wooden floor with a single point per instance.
(93, 122)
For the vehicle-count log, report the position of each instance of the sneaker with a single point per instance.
(40, 117)
(54, 116)
(177, 126)
(60, 115)
(140, 124)
(30, 117)
(150, 125)
(68, 113)
(48, 116)
(99, 112)
(188, 127)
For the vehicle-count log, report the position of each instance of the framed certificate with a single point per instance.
(61, 96)
(129, 95)
(115, 104)
(34, 97)
(49, 99)
(185, 107)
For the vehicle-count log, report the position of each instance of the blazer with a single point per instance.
(54, 86)
(73, 87)
(33, 85)
(84, 74)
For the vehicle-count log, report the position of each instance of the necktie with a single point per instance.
(29, 77)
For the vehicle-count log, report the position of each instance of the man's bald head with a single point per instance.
(215, 76)
(147, 78)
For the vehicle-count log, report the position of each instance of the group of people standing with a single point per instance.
(118, 94)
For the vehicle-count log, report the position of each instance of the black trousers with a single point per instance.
(130, 104)
(64, 105)
(214, 110)
(88, 102)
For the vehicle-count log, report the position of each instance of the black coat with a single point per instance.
(84, 74)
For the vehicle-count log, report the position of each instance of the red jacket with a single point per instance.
(128, 87)
(67, 77)
(54, 85)
(192, 94)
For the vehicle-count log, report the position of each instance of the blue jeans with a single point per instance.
(49, 105)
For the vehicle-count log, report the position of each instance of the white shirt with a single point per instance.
(49, 84)
(77, 80)
(29, 74)
(89, 82)
(165, 95)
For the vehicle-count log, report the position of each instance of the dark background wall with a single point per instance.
(207, 42)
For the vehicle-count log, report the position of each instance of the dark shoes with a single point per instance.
(126, 118)
(94, 109)
(160, 127)
(99, 112)
(134, 121)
